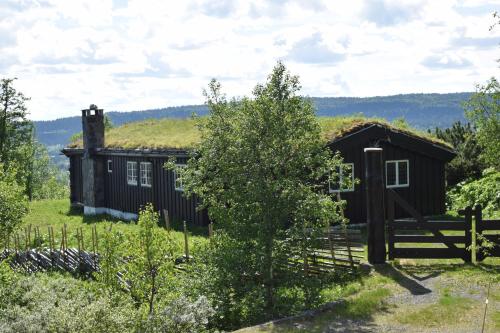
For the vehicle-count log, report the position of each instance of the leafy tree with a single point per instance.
(467, 164)
(15, 128)
(46, 181)
(261, 169)
(19, 149)
(151, 266)
(483, 111)
(13, 204)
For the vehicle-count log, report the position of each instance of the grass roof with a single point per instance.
(171, 133)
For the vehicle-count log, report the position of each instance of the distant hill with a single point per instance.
(421, 111)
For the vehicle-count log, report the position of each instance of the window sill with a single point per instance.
(341, 191)
(397, 186)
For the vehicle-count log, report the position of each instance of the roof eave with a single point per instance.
(398, 138)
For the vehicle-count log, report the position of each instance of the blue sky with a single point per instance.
(139, 54)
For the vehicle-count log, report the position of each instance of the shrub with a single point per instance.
(149, 270)
(13, 204)
(181, 316)
(45, 303)
(484, 191)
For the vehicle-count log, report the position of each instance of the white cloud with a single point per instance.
(139, 54)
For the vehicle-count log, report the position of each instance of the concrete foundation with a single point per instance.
(108, 211)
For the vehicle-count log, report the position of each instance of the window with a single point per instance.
(131, 173)
(179, 186)
(146, 174)
(344, 180)
(397, 173)
(110, 166)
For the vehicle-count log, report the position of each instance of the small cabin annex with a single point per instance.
(413, 166)
(107, 176)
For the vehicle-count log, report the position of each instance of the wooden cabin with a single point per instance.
(118, 174)
(413, 165)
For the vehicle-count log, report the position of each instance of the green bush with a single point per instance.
(13, 204)
(484, 191)
(60, 303)
(181, 315)
(45, 303)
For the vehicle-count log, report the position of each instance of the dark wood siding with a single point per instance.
(426, 191)
(121, 196)
(75, 179)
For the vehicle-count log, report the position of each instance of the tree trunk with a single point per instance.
(3, 131)
(269, 274)
(153, 291)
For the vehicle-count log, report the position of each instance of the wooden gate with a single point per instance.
(419, 230)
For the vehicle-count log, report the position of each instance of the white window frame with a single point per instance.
(397, 174)
(178, 188)
(110, 163)
(341, 176)
(144, 176)
(130, 177)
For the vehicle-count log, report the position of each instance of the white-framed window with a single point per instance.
(179, 186)
(131, 173)
(146, 174)
(344, 180)
(397, 173)
(110, 166)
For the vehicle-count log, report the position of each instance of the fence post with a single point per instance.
(390, 221)
(167, 219)
(468, 234)
(186, 245)
(210, 230)
(375, 209)
(478, 219)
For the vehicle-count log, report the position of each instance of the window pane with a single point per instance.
(347, 176)
(403, 173)
(390, 173)
(178, 179)
(335, 180)
(132, 173)
(146, 174)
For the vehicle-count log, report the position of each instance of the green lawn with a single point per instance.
(57, 213)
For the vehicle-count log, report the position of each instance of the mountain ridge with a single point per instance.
(421, 111)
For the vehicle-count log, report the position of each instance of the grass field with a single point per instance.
(57, 213)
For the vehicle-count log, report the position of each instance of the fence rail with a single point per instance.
(409, 231)
(333, 250)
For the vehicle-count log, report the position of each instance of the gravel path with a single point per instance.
(415, 289)
(420, 290)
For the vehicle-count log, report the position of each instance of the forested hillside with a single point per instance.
(420, 110)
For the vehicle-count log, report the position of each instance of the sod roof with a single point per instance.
(174, 133)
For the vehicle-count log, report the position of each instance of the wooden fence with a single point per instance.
(333, 250)
(31, 251)
(419, 230)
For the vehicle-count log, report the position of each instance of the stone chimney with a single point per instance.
(93, 164)
(93, 128)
